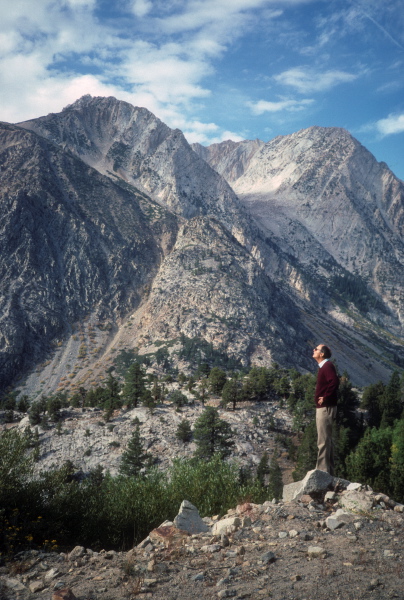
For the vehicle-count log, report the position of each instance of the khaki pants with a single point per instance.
(324, 419)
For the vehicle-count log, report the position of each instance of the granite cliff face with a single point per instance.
(324, 199)
(117, 235)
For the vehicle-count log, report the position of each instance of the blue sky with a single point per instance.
(216, 69)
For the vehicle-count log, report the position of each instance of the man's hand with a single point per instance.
(320, 400)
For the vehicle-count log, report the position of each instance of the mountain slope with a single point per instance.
(102, 266)
(70, 241)
(321, 196)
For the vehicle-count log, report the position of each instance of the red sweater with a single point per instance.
(327, 385)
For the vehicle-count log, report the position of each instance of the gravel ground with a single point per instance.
(280, 551)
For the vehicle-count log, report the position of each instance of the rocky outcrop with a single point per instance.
(211, 287)
(89, 441)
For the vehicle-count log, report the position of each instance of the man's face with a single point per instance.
(317, 354)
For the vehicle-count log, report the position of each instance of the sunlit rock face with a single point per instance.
(322, 195)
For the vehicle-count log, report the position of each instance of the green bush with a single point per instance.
(107, 512)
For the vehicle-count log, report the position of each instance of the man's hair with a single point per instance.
(325, 350)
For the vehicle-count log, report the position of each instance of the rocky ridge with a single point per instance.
(339, 540)
(130, 143)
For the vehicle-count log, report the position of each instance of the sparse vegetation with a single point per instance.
(373, 454)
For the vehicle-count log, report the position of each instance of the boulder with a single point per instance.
(356, 502)
(51, 574)
(225, 526)
(333, 523)
(315, 481)
(14, 584)
(188, 519)
(36, 586)
(77, 552)
(357, 487)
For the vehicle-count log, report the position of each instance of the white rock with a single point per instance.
(356, 502)
(226, 525)
(315, 481)
(188, 519)
(316, 552)
(333, 523)
(354, 486)
(211, 548)
(51, 574)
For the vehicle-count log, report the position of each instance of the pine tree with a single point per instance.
(370, 462)
(391, 401)
(212, 435)
(35, 445)
(148, 400)
(34, 413)
(184, 433)
(134, 385)
(191, 383)
(258, 384)
(134, 458)
(157, 391)
(112, 392)
(203, 386)
(397, 462)
(108, 410)
(231, 392)
(178, 399)
(23, 404)
(275, 483)
(217, 379)
(347, 418)
(54, 407)
(372, 402)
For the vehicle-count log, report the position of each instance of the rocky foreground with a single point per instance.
(327, 539)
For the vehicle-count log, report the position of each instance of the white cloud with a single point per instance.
(165, 72)
(307, 80)
(198, 14)
(52, 55)
(392, 124)
(141, 8)
(262, 106)
(201, 137)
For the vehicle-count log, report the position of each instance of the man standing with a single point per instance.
(326, 407)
